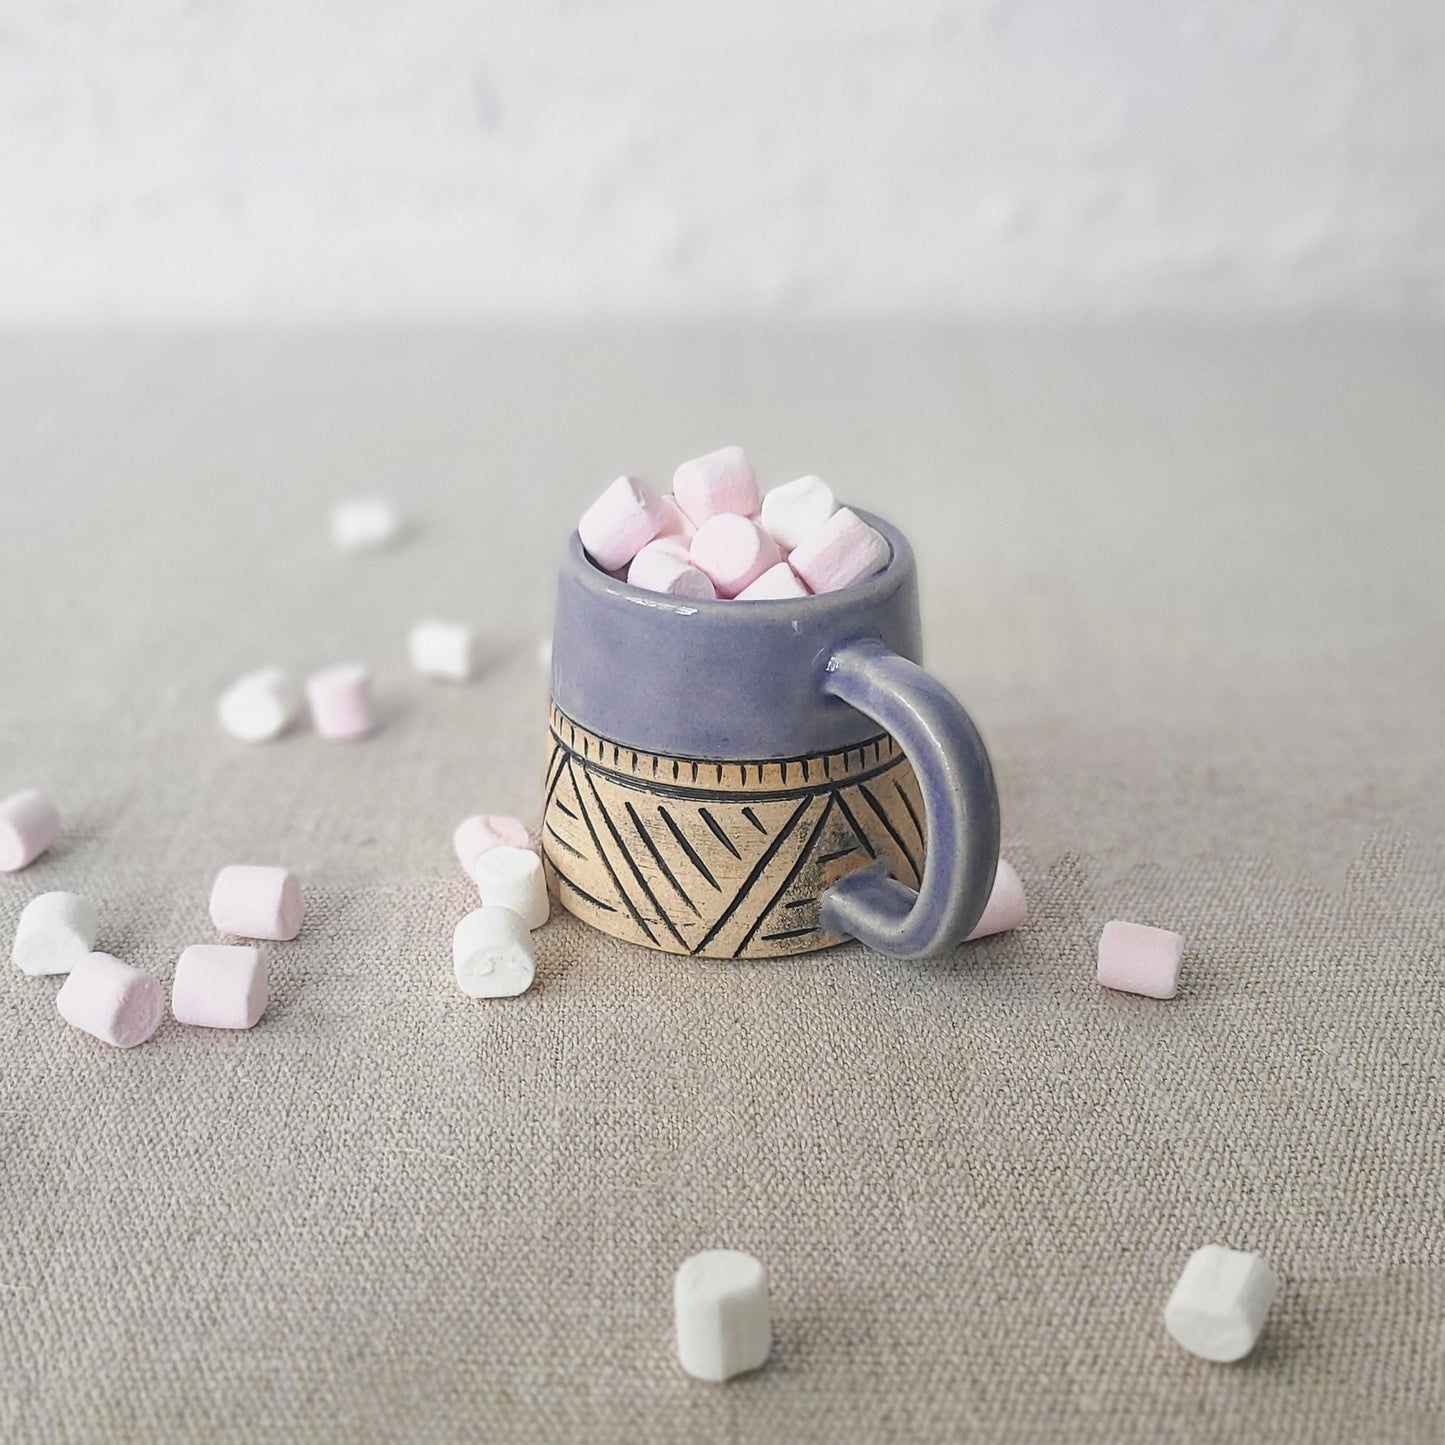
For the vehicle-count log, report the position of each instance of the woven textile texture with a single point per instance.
(1190, 587)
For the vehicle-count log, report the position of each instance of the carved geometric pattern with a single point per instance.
(721, 859)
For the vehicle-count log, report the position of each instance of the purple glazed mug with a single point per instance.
(750, 779)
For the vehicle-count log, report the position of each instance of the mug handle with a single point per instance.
(960, 802)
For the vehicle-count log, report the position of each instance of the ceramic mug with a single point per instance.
(751, 779)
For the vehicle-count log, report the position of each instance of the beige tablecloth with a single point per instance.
(1190, 586)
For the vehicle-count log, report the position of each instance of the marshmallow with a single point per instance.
(29, 824)
(483, 831)
(445, 650)
(119, 1004)
(340, 702)
(724, 1318)
(513, 878)
(492, 953)
(56, 931)
(616, 527)
(776, 584)
(255, 902)
(1006, 908)
(720, 482)
(733, 551)
(1138, 959)
(259, 706)
(219, 986)
(1218, 1307)
(793, 511)
(678, 523)
(844, 550)
(544, 653)
(363, 524)
(663, 566)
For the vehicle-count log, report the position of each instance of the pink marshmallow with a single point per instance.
(777, 583)
(255, 902)
(844, 550)
(663, 566)
(734, 551)
(219, 986)
(340, 702)
(29, 824)
(1136, 958)
(1006, 908)
(678, 523)
(116, 1003)
(616, 527)
(721, 482)
(484, 831)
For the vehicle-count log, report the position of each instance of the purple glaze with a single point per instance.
(790, 678)
(721, 679)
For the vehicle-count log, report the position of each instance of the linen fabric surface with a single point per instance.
(1188, 583)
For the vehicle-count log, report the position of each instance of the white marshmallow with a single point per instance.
(544, 653)
(364, 524)
(220, 986)
(260, 705)
(793, 510)
(56, 931)
(492, 953)
(513, 878)
(1218, 1307)
(778, 584)
(663, 566)
(724, 1317)
(445, 650)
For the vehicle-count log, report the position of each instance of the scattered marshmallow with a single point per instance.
(616, 527)
(259, 706)
(340, 702)
(29, 824)
(1007, 908)
(492, 953)
(795, 510)
(484, 831)
(445, 650)
(724, 1317)
(663, 566)
(364, 524)
(1218, 1307)
(733, 551)
(1138, 959)
(721, 482)
(116, 1003)
(844, 550)
(513, 878)
(778, 583)
(56, 931)
(252, 902)
(219, 986)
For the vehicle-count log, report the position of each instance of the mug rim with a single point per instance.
(875, 587)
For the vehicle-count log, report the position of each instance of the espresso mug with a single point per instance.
(752, 779)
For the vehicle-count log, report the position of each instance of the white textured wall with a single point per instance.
(283, 158)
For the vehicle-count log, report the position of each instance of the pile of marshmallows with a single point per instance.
(492, 953)
(715, 536)
(216, 985)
